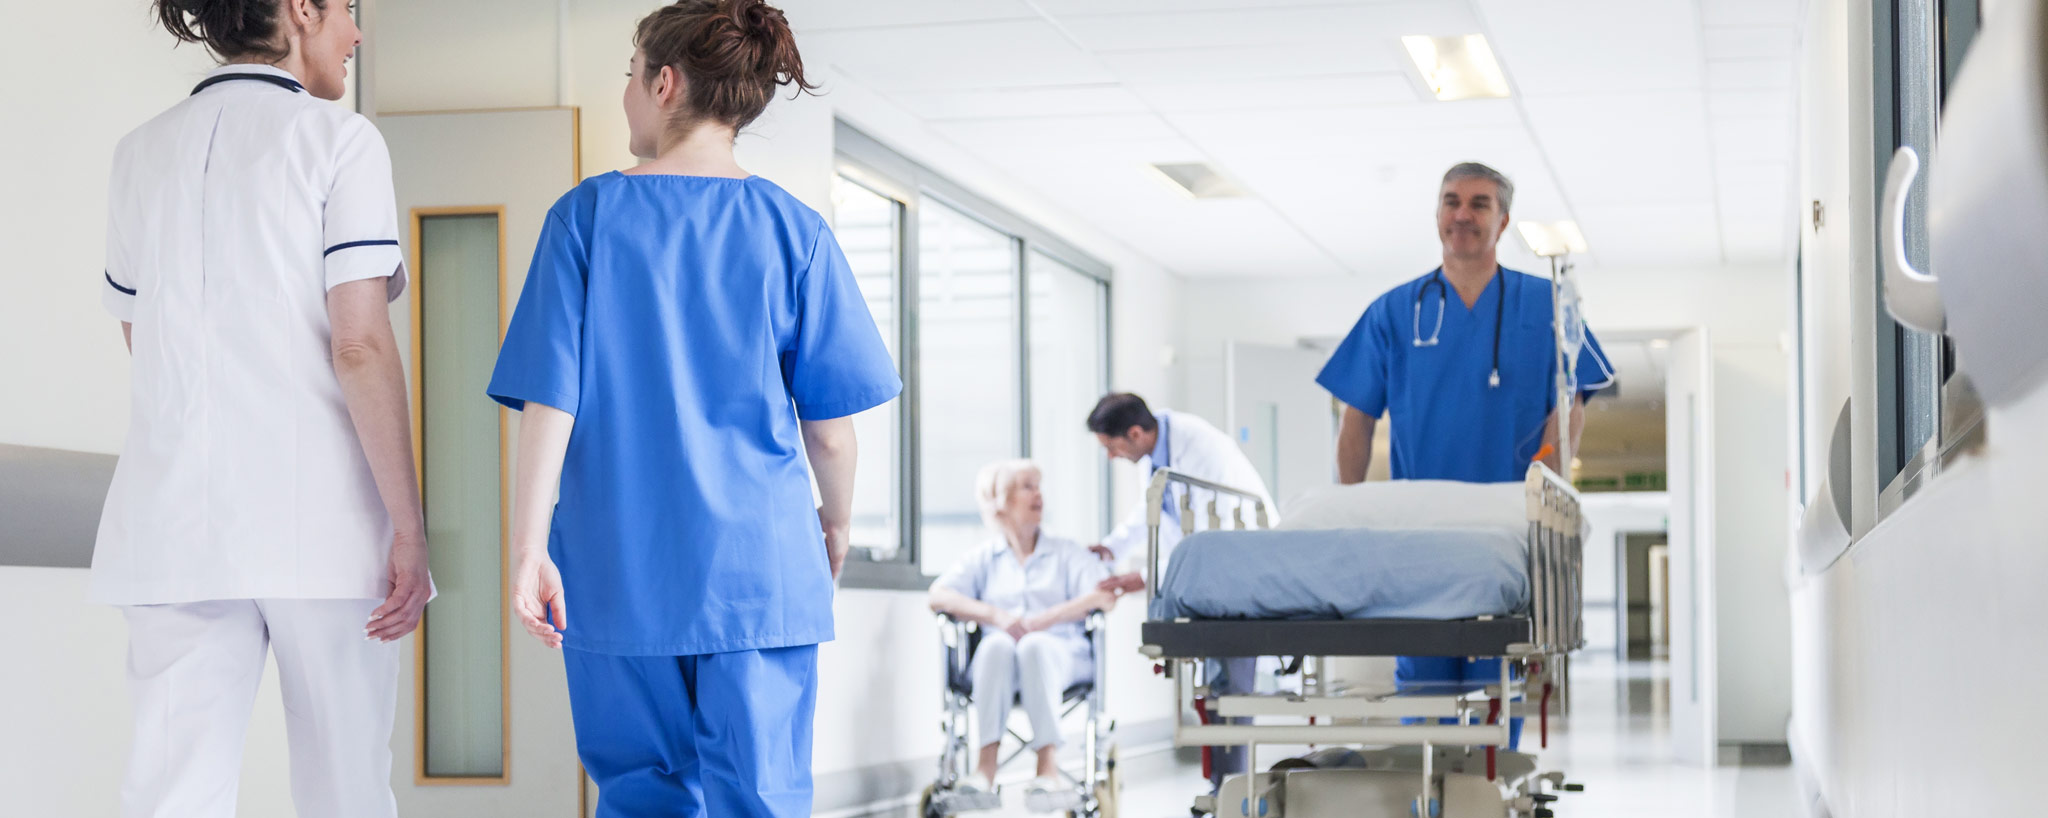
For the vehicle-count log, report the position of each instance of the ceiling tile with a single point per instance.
(807, 16)
(1750, 75)
(1022, 102)
(1753, 140)
(1752, 42)
(1058, 132)
(1769, 105)
(1249, 63)
(1750, 12)
(1064, 8)
(1640, 148)
(1377, 26)
(1551, 47)
(1262, 95)
(1652, 236)
(958, 57)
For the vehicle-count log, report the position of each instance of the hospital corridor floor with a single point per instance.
(1617, 744)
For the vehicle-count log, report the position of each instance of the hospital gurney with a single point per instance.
(1097, 784)
(1453, 770)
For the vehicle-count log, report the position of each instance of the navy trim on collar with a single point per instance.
(366, 243)
(286, 83)
(117, 285)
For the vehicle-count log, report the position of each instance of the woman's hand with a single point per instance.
(1013, 625)
(411, 587)
(537, 593)
(838, 541)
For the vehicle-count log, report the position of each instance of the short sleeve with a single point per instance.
(967, 577)
(835, 363)
(361, 217)
(119, 292)
(1596, 373)
(1357, 372)
(542, 358)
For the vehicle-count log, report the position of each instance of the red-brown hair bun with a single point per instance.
(732, 54)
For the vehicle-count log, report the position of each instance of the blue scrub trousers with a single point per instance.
(1477, 673)
(717, 734)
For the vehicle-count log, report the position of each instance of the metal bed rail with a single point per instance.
(1155, 500)
(1556, 563)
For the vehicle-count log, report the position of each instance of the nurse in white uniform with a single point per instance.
(1030, 591)
(265, 500)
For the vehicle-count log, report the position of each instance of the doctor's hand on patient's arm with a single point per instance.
(1103, 552)
(833, 452)
(536, 584)
(1123, 583)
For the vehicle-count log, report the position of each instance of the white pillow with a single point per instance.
(1412, 504)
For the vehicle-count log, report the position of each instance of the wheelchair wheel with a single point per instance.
(1106, 792)
(925, 809)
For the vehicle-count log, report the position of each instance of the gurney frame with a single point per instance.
(1536, 643)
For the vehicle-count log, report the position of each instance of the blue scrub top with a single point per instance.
(687, 323)
(1448, 424)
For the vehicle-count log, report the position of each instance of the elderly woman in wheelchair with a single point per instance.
(1029, 593)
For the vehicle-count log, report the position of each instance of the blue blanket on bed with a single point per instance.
(1344, 574)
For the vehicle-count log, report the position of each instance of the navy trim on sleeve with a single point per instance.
(366, 243)
(117, 285)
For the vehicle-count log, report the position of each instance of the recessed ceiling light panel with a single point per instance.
(1549, 239)
(1457, 68)
(1197, 180)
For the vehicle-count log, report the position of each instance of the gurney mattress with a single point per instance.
(1356, 573)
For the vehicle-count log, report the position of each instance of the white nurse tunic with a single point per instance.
(230, 217)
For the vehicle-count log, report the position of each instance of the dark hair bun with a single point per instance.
(733, 54)
(231, 29)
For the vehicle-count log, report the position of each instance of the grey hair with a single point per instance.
(1474, 170)
(992, 486)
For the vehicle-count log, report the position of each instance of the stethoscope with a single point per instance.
(1436, 280)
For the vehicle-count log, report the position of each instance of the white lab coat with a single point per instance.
(229, 218)
(1192, 446)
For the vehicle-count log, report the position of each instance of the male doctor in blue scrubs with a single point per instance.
(1462, 361)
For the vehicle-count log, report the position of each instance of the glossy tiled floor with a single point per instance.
(1616, 744)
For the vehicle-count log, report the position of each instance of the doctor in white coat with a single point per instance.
(265, 501)
(1165, 439)
(1130, 430)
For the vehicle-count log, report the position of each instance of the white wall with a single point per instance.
(1610, 515)
(1741, 307)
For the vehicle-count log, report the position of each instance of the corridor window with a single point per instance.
(1001, 332)
(1920, 44)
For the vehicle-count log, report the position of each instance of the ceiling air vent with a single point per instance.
(1198, 180)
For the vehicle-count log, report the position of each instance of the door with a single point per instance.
(1689, 455)
(1280, 417)
(483, 715)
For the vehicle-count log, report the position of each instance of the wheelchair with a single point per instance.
(1096, 783)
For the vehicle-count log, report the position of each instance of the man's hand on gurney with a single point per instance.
(1123, 583)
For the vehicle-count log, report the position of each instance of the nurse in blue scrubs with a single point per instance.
(1462, 362)
(689, 337)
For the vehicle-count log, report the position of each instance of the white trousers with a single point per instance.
(193, 669)
(1036, 669)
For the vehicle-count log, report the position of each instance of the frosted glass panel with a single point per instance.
(969, 401)
(457, 285)
(1069, 352)
(868, 225)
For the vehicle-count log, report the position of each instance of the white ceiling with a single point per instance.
(1665, 127)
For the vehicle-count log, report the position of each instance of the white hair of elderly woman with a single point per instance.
(992, 486)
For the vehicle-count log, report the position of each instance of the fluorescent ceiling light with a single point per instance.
(1549, 239)
(1196, 180)
(1457, 68)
